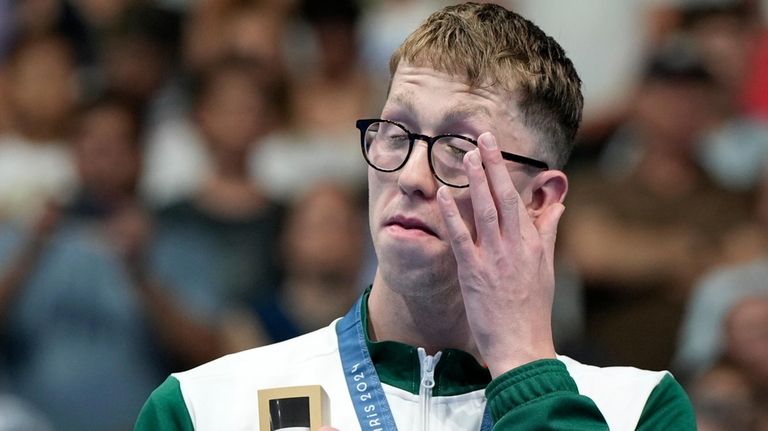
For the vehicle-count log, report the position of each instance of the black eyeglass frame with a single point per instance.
(363, 125)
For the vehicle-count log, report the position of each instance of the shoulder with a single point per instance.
(590, 377)
(217, 390)
(628, 396)
(265, 363)
(165, 409)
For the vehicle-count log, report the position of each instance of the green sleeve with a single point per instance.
(668, 408)
(165, 410)
(541, 396)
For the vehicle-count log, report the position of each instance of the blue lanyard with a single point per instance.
(370, 402)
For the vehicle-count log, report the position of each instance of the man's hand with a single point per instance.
(507, 272)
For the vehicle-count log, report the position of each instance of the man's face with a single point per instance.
(108, 157)
(408, 232)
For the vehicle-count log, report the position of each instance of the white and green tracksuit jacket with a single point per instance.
(550, 394)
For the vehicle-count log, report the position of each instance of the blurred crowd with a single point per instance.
(183, 179)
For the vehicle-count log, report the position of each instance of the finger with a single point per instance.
(511, 209)
(546, 224)
(483, 206)
(458, 233)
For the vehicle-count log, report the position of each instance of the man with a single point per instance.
(457, 321)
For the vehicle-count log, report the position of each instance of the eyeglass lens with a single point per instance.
(387, 146)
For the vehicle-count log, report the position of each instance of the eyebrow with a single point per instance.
(459, 113)
(402, 101)
(455, 114)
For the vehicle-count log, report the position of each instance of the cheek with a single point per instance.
(379, 187)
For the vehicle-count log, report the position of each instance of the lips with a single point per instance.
(410, 223)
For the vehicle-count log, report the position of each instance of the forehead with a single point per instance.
(438, 102)
(413, 84)
(451, 110)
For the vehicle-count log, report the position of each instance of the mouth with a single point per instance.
(410, 224)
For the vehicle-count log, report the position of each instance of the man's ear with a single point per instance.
(547, 188)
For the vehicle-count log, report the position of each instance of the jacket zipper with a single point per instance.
(428, 364)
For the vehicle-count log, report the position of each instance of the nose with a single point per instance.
(415, 178)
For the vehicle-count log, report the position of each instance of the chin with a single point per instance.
(410, 252)
(405, 266)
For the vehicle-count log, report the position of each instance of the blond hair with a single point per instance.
(488, 45)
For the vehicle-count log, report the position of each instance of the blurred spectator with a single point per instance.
(35, 161)
(384, 25)
(723, 400)
(323, 250)
(323, 247)
(252, 30)
(88, 327)
(734, 149)
(228, 210)
(35, 18)
(177, 159)
(337, 75)
(151, 34)
(734, 36)
(701, 339)
(107, 144)
(746, 331)
(640, 237)
(319, 141)
(734, 393)
(256, 31)
(607, 41)
(726, 32)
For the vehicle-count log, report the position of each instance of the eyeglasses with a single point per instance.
(387, 146)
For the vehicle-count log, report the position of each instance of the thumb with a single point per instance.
(326, 428)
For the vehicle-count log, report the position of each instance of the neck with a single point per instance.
(431, 322)
(231, 165)
(231, 197)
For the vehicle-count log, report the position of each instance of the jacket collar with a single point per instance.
(397, 364)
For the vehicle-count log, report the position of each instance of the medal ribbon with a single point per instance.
(370, 402)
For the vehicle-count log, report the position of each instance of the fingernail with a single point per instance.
(490, 142)
(474, 158)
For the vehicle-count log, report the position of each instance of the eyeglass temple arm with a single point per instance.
(524, 160)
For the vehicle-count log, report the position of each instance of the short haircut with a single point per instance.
(488, 46)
